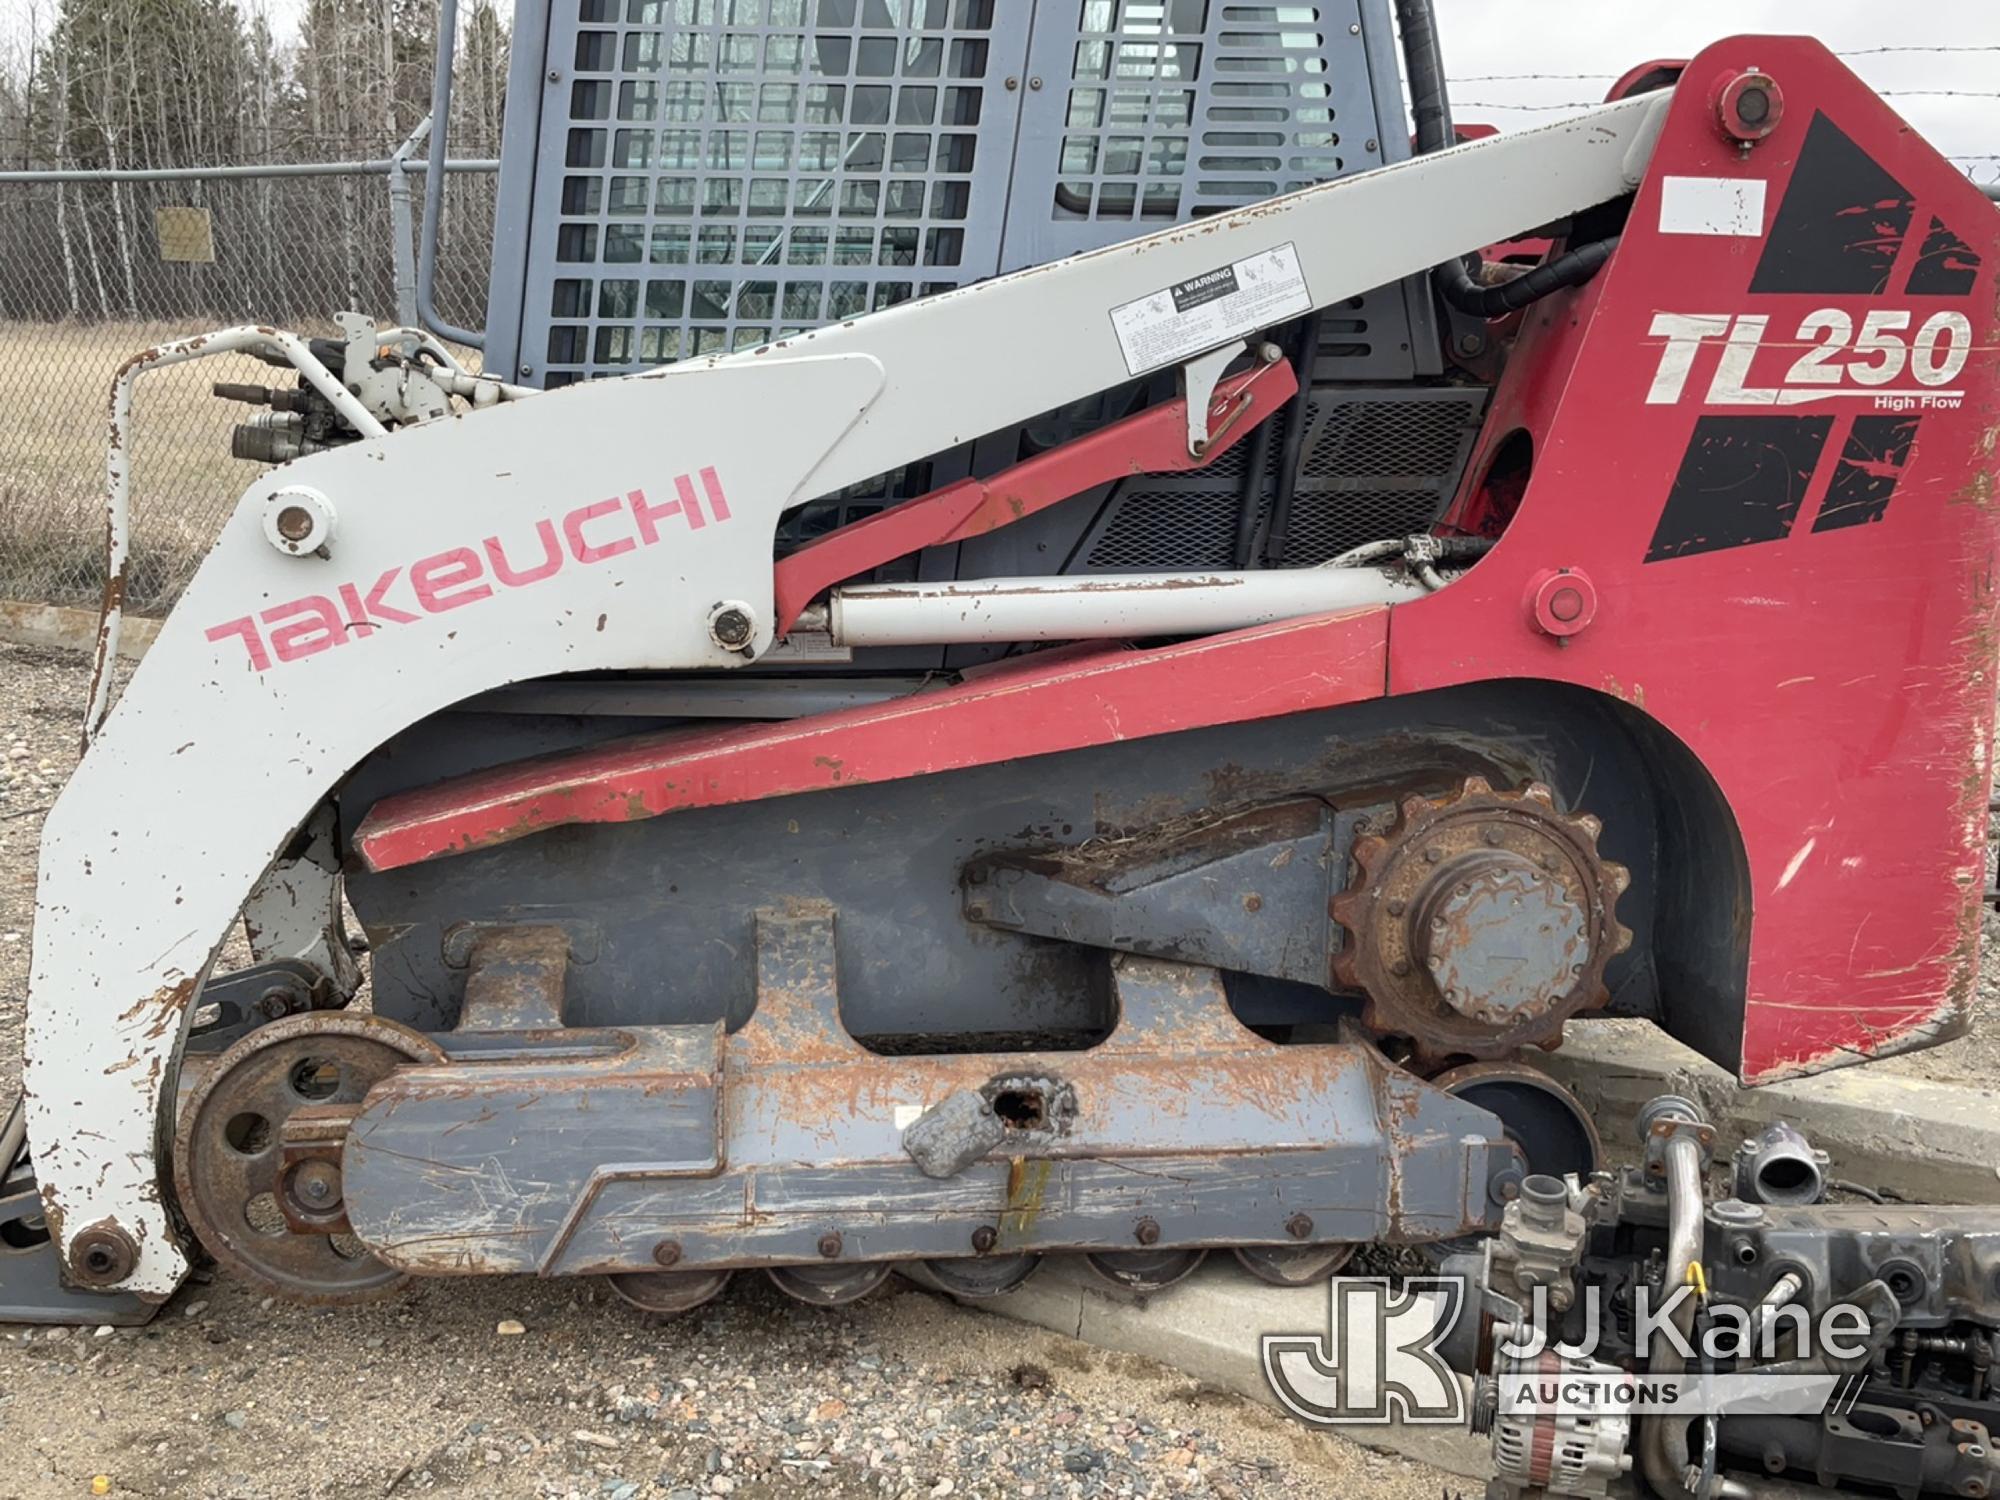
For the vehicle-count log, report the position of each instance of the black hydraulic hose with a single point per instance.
(1276, 537)
(1423, 60)
(1572, 268)
(1430, 107)
(1251, 498)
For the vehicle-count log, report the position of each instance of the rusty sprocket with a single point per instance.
(1480, 921)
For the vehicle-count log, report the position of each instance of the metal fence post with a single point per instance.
(404, 256)
(402, 242)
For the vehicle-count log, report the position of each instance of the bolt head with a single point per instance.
(984, 1238)
(829, 1245)
(667, 1253)
(1299, 1226)
(295, 523)
(1146, 1232)
(732, 627)
(316, 1184)
(102, 1255)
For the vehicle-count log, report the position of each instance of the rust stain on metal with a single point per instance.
(1026, 1182)
(164, 1005)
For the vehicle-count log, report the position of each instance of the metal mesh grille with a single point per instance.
(739, 170)
(716, 174)
(1377, 467)
(1165, 522)
(1370, 466)
(1177, 107)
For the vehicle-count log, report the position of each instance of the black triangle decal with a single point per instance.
(1840, 224)
(1946, 267)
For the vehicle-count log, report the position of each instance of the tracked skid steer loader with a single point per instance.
(1038, 634)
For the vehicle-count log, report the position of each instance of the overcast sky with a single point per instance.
(1482, 37)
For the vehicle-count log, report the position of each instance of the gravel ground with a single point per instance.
(902, 1394)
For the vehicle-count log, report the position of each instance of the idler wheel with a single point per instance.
(1554, 1132)
(240, 1196)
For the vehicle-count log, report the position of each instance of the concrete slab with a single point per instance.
(1210, 1327)
(1929, 1142)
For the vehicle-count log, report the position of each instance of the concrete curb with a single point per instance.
(27, 624)
(1210, 1327)
(1930, 1142)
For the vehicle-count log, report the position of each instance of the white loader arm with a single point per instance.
(597, 527)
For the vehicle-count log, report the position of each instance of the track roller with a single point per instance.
(1145, 1270)
(1293, 1265)
(973, 1276)
(830, 1286)
(669, 1292)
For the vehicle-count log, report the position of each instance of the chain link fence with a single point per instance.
(97, 270)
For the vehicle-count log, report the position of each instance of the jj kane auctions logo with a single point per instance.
(1378, 1359)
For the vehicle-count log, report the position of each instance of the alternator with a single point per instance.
(1553, 1453)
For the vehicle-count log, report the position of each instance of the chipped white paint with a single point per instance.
(208, 763)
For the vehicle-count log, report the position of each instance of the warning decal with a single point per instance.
(1193, 316)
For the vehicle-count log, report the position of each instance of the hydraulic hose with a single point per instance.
(1279, 533)
(1430, 107)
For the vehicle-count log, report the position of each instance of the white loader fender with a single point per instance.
(591, 528)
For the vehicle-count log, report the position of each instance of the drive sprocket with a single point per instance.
(230, 1156)
(1480, 921)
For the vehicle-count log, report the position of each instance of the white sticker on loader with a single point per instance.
(1712, 205)
(1193, 316)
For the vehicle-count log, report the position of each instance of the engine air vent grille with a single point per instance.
(1371, 464)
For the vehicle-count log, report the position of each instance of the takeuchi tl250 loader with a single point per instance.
(1121, 650)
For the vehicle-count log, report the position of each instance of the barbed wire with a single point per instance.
(1594, 103)
(1939, 49)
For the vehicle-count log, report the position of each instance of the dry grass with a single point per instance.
(55, 382)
